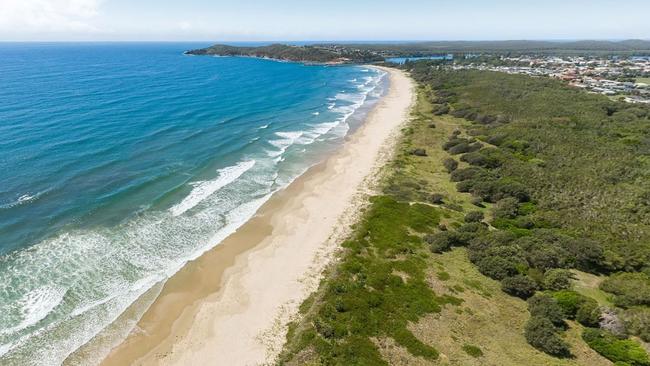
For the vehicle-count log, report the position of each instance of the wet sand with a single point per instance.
(231, 305)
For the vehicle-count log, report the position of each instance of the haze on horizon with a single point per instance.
(335, 20)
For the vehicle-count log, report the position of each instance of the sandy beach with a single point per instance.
(231, 305)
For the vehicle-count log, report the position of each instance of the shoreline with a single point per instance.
(232, 303)
(301, 62)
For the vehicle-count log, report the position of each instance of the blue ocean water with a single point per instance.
(121, 162)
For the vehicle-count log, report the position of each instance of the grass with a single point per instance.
(389, 300)
(365, 298)
(587, 284)
(643, 80)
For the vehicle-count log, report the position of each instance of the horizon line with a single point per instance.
(328, 41)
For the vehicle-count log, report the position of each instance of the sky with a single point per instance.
(331, 20)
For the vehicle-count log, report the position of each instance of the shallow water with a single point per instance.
(120, 162)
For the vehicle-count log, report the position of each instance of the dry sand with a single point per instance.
(231, 305)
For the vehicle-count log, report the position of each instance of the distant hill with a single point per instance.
(514, 46)
(309, 54)
(335, 53)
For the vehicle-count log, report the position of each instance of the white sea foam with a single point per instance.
(99, 273)
(348, 97)
(287, 139)
(315, 113)
(155, 246)
(325, 127)
(35, 306)
(263, 127)
(23, 199)
(204, 189)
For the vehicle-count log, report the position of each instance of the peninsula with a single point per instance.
(317, 54)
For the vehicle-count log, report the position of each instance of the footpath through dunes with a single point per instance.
(232, 303)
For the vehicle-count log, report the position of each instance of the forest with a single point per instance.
(567, 174)
(518, 203)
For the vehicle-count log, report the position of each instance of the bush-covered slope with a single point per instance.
(308, 54)
(583, 159)
(567, 177)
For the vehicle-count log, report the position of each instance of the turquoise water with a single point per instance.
(121, 162)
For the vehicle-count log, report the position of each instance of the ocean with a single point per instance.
(120, 162)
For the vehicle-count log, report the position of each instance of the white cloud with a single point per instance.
(38, 17)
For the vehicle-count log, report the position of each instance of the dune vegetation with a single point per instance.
(513, 227)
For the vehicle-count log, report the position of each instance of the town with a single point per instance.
(621, 78)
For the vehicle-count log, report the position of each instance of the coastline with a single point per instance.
(232, 303)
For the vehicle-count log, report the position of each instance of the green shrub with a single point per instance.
(541, 334)
(569, 301)
(482, 244)
(450, 164)
(465, 186)
(497, 267)
(637, 321)
(443, 241)
(419, 152)
(489, 158)
(545, 306)
(615, 349)
(630, 288)
(467, 174)
(460, 148)
(472, 350)
(474, 216)
(453, 142)
(588, 313)
(557, 279)
(519, 285)
(586, 255)
(441, 110)
(506, 208)
(493, 190)
(477, 201)
(545, 249)
(437, 198)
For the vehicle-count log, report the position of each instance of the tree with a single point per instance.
(497, 267)
(557, 279)
(453, 142)
(519, 285)
(450, 164)
(506, 208)
(588, 313)
(545, 306)
(460, 148)
(437, 198)
(541, 334)
(569, 301)
(442, 241)
(630, 288)
(587, 255)
(419, 152)
(474, 216)
(441, 110)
